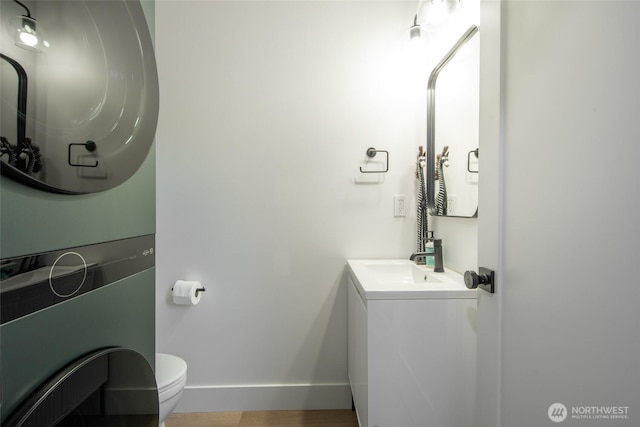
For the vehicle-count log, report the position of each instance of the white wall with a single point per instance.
(267, 109)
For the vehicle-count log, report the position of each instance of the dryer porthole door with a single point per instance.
(108, 387)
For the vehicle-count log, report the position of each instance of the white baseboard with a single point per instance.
(273, 397)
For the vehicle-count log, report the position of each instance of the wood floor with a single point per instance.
(335, 418)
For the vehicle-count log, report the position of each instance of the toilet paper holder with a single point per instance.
(198, 290)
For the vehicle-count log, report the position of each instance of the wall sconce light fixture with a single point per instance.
(415, 31)
(29, 34)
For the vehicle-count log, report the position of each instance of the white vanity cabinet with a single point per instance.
(412, 358)
(358, 352)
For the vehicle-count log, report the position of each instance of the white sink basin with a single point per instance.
(403, 279)
(400, 272)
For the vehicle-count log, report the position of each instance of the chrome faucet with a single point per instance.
(421, 257)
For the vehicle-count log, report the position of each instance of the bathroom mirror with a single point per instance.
(453, 130)
(80, 115)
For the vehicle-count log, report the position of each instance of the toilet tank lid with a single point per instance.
(169, 369)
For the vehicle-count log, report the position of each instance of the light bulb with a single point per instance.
(437, 13)
(29, 39)
(434, 13)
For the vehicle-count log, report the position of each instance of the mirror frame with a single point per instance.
(431, 122)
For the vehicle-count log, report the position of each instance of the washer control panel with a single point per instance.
(34, 282)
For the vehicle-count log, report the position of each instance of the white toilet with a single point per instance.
(171, 376)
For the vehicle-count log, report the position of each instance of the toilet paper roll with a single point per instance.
(184, 292)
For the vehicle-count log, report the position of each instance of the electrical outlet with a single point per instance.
(452, 205)
(399, 206)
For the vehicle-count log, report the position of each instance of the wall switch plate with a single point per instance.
(399, 206)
